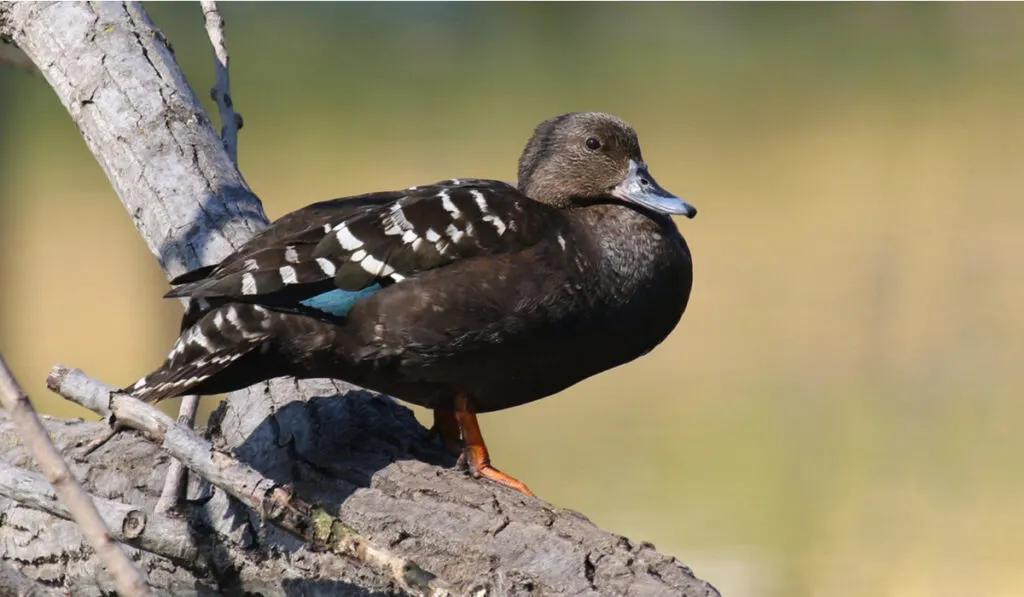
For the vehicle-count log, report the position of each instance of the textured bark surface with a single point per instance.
(361, 455)
(379, 470)
(114, 72)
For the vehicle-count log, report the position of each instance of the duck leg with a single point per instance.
(474, 451)
(446, 427)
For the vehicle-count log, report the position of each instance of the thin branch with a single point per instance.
(230, 121)
(274, 502)
(161, 535)
(127, 578)
(177, 475)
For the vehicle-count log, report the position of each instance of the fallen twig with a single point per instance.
(78, 503)
(274, 502)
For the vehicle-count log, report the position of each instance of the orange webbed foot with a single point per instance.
(493, 474)
(474, 450)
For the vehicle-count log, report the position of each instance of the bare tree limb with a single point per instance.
(233, 559)
(76, 500)
(116, 75)
(162, 535)
(177, 475)
(370, 469)
(275, 503)
(230, 121)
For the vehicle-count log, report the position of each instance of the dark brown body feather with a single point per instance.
(513, 328)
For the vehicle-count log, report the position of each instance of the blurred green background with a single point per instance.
(839, 412)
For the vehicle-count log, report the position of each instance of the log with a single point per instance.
(360, 456)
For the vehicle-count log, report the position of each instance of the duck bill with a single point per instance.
(640, 188)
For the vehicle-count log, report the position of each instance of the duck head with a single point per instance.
(587, 157)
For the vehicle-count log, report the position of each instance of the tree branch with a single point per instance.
(174, 485)
(162, 535)
(230, 121)
(76, 501)
(116, 75)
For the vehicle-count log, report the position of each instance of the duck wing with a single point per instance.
(327, 256)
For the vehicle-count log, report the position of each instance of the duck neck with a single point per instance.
(635, 246)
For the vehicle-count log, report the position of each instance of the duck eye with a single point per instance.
(593, 144)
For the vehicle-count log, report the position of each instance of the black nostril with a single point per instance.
(644, 182)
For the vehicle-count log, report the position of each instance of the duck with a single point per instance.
(465, 296)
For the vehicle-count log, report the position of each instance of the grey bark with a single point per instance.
(165, 535)
(276, 504)
(360, 455)
(75, 502)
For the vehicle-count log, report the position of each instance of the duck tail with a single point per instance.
(220, 337)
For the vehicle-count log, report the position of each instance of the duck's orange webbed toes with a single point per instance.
(474, 451)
